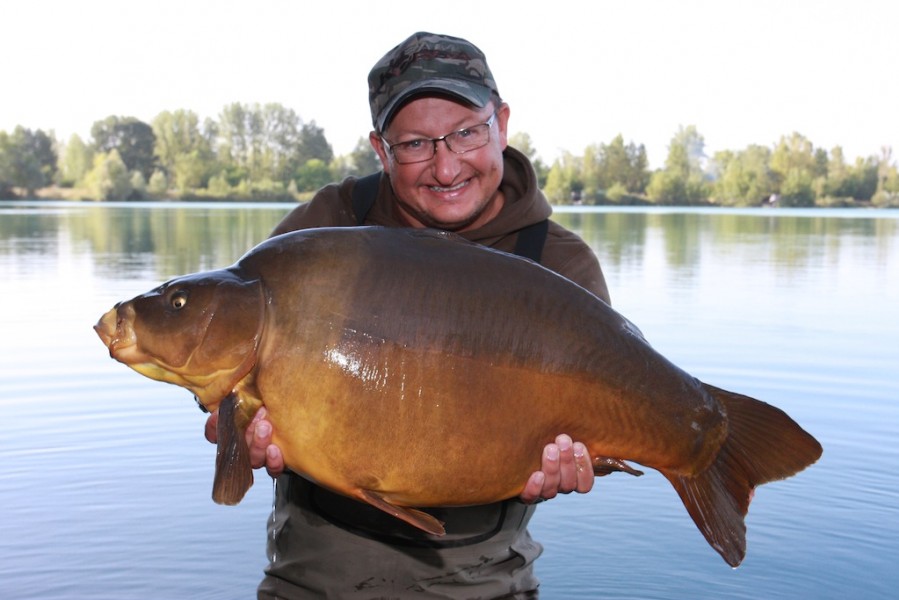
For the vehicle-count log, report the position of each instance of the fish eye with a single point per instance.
(178, 300)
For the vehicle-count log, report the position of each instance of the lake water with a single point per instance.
(105, 476)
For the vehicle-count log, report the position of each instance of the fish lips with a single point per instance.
(114, 331)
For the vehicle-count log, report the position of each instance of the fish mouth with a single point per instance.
(116, 333)
(106, 326)
(116, 330)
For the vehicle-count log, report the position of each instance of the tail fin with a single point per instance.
(763, 444)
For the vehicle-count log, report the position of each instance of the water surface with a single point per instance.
(105, 476)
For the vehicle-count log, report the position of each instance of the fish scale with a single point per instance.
(397, 366)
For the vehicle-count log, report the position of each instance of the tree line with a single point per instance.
(250, 152)
(792, 172)
(267, 152)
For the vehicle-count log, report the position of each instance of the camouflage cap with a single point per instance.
(428, 62)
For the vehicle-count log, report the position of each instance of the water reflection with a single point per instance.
(105, 477)
(791, 238)
(134, 239)
(176, 239)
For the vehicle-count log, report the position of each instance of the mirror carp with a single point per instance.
(410, 368)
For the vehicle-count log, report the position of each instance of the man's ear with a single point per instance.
(378, 146)
(502, 124)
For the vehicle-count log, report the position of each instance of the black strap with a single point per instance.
(530, 239)
(365, 191)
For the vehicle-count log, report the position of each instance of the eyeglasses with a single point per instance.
(460, 142)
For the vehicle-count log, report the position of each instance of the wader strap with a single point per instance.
(531, 239)
(364, 193)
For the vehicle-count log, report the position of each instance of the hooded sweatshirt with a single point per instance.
(322, 544)
(564, 252)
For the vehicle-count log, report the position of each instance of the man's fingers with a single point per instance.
(533, 489)
(259, 436)
(274, 462)
(568, 479)
(259, 439)
(584, 468)
(550, 467)
(262, 438)
(211, 424)
(250, 433)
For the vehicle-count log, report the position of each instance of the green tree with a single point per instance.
(744, 177)
(797, 188)
(131, 138)
(865, 177)
(42, 147)
(138, 186)
(109, 178)
(158, 185)
(183, 150)
(27, 161)
(6, 157)
(857, 182)
(794, 154)
(821, 163)
(313, 175)
(75, 162)
(219, 185)
(267, 143)
(594, 187)
(282, 142)
(522, 142)
(314, 144)
(624, 164)
(838, 176)
(682, 181)
(887, 193)
(240, 139)
(616, 192)
(191, 170)
(667, 187)
(362, 160)
(563, 183)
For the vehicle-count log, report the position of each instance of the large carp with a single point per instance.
(409, 368)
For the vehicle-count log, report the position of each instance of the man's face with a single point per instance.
(449, 191)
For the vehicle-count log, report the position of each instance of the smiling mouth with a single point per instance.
(455, 188)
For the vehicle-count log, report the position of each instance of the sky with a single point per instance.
(574, 73)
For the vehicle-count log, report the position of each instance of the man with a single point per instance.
(440, 131)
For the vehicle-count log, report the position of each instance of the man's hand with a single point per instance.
(566, 465)
(566, 468)
(259, 438)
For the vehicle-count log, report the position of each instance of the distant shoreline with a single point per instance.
(82, 195)
(79, 195)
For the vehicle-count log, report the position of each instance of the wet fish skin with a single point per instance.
(398, 365)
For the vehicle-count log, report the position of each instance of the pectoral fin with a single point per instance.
(233, 472)
(416, 518)
(603, 465)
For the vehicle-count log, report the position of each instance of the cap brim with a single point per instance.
(472, 93)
